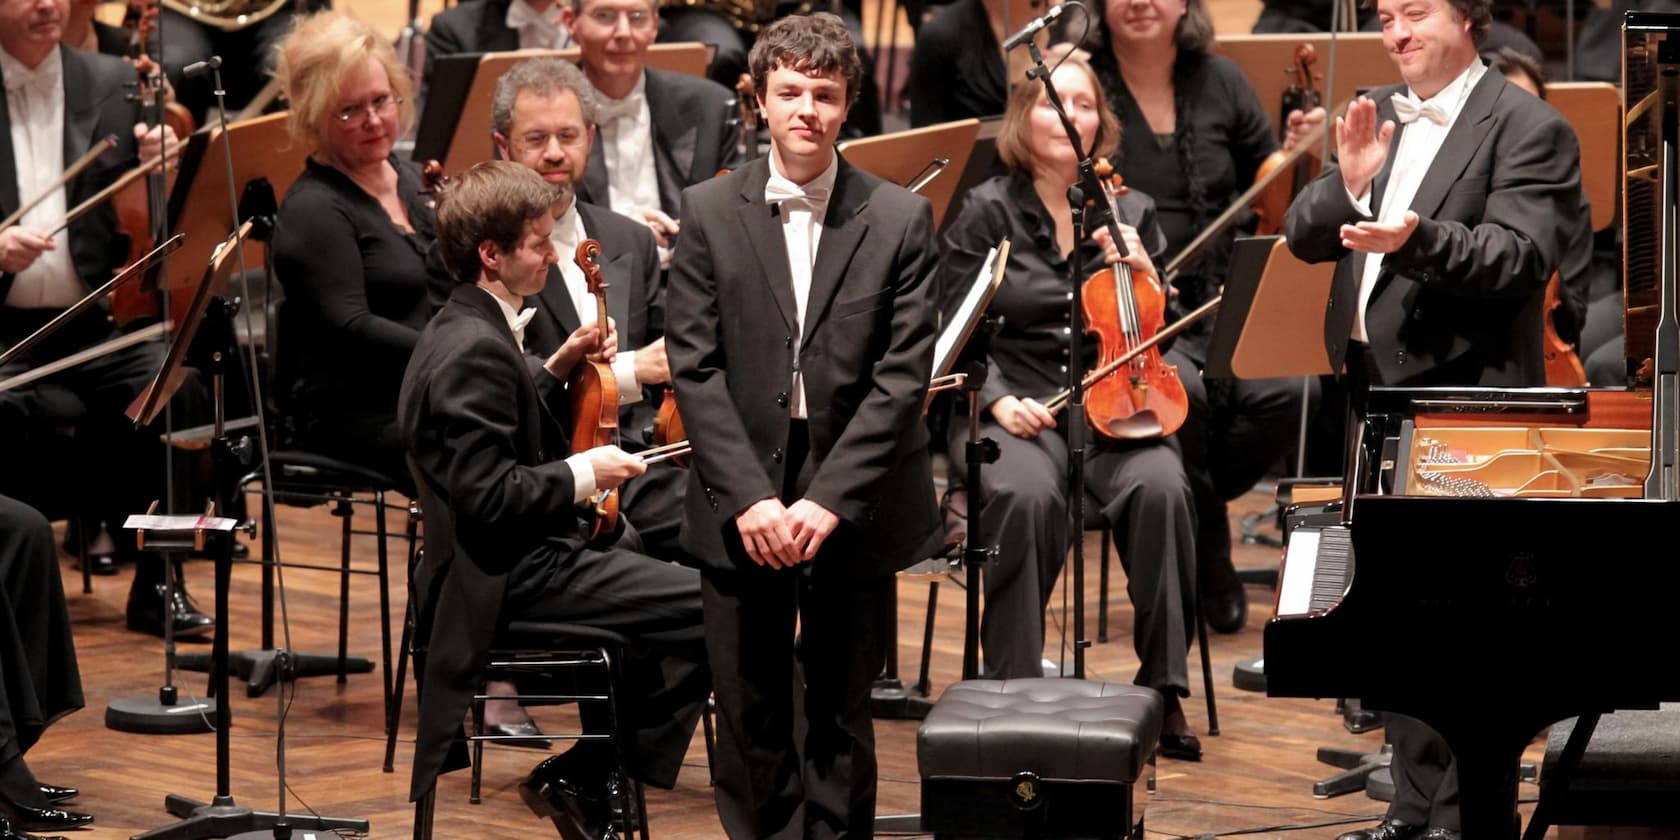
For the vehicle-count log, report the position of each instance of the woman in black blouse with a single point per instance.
(1139, 486)
(350, 246)
(1193, 135)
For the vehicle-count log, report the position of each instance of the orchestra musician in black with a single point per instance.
(501, 489)
(801, 330)
(1139, 485)
(57, 101)
(1446, 209)
(351, 246)
(543, 116)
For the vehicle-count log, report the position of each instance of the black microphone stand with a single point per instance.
(223, 816)
(1086, 184)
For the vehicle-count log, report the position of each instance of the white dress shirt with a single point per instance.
(1419, 142)
(627, 147)
(568, 232)
(35, 105)
(802, 226)
(537, 30)
(583, 473)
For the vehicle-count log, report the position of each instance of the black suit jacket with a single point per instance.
(866, 355)
(96, 103)
(635, 302)
(694, 136)
(476, 26)
(485, 451)
(1464, 294)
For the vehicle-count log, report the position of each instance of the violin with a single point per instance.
(1145, 399)
(1273, 202)
(143, 215)
(1563, 364)
(593, 389)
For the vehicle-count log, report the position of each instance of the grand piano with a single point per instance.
(1489, 576)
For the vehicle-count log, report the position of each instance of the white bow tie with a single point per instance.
(520, 15)
(42, 78)
(609, 110)
(1410, 108)
(779, 189)
(520, 322)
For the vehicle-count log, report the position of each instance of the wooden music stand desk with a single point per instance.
(1595, 110)
(198, 203)
(458, 102)
(902, 155)
(1271, 322)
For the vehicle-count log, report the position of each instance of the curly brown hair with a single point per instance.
(812, 44)
(491, 202)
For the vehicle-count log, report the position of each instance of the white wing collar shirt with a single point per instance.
(537, 30)
(35, 105)
(583, 473)
(1425, 124)
(802, 210)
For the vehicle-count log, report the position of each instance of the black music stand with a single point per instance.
(889, 698)
(222, 816)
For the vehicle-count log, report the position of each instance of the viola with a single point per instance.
(593, 389)
(1143, 397)
(1273, 202)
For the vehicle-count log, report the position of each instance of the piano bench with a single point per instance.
(1629, 775)
(1039, 758)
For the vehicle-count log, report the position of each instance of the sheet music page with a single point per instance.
(959, 327)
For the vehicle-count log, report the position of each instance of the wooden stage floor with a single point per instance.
(1257, 773)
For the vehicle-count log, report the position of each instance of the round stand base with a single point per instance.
(1250, 675)
(144, 715)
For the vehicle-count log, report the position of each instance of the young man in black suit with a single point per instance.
(1446, 222)
(801, 330)
(57, 101)
(507, 539)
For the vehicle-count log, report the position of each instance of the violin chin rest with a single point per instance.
(1140, 426)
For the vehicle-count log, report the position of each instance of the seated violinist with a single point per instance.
(543, 116)
(59, 100)
(496, 471)
(1138, 485)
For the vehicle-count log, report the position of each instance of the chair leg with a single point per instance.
(1207, 668)
(348, 512)
(384, 599)
(473, 795)
(423, 808)
(1102, 588)
(393, 712)
(80, 524)
(711, 741)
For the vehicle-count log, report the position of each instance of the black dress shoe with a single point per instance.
(1388, 829)
(1181, 747)
(524, 735)
(579, 812)
(54, 793)
(43, 819)
(146, 609)
(102, 564)
(1441, 834)
(6, 833)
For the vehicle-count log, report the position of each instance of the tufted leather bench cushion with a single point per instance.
(1039, 757)
(1056, 728)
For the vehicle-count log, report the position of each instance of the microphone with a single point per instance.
(1033, 28)
(199, 68)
